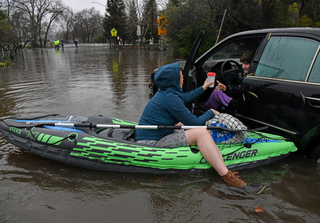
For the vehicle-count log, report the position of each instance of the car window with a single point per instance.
(287, 58)
(237, 48)
(314, 75)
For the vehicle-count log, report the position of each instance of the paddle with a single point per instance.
(29, 124)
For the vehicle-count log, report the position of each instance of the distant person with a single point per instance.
(56, 44)
(75, 43)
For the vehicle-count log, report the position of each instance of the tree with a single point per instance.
(67, 23)
(276, 12)
(293, 14)
(311, 8)
(55, 11)
(86, 25)
(175, 2)
(116, 18)
(187, 17)
(132, 21)
(36, 12)
(21, 26)
(304, 21)
(186, 20)
(149, 20)
(5, 28)
(244, 15)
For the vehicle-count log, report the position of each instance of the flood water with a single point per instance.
(114, 82)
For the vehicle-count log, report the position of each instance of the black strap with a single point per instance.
(110, 132)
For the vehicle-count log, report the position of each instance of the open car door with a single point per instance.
(189, 69)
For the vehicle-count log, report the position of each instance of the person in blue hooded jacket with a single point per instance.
(167, 107)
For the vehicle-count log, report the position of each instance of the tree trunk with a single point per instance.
(39, 33)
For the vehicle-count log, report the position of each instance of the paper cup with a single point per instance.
(211, 78)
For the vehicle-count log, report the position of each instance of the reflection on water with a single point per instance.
(101, 80)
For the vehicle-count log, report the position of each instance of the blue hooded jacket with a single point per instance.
(167, 105)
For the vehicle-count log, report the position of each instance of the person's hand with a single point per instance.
(178, 124)
(221, 87)
(206, 84)
(215, 112)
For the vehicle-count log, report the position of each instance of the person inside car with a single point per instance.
(218, 98)
(232, 90)
(167, 107)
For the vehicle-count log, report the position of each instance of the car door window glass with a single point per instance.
(287, 58)
(237, 48)
(314, 75)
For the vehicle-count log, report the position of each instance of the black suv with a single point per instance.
(284, 91)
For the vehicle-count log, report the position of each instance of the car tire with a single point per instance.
(315, 154)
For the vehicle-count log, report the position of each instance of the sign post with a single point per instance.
(161, 30)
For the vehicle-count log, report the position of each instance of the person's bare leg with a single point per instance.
(211, 153)
(208, 148)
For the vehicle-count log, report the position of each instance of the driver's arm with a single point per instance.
(230, 90)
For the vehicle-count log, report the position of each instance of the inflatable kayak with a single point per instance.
(79, 141)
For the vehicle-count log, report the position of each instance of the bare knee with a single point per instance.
(203, 131)
(199, 131)
(193, 135)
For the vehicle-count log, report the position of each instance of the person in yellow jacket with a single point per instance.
(56, 44)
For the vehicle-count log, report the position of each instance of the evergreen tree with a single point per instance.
(276, 12)
(244, 15)
(5, 28)
(132, 21)
(116, 18)
(311, 9)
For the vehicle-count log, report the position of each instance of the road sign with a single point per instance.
(162, 20)
(113, 32)
(162, 31)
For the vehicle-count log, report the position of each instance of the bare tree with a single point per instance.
(149, 19)
(55, 11)
(39, 13)
(87, 23)
(67, 23)
(20, 24)
(132, 21)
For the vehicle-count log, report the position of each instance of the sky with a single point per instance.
(78, 5)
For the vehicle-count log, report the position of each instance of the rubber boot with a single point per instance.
(233, 179)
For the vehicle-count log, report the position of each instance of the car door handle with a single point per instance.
(314, 102)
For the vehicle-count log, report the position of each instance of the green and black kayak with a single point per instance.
(78, 141)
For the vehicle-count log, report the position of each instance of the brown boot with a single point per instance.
(232, 178)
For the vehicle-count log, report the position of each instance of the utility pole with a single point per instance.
(224, 14)
(151, 19)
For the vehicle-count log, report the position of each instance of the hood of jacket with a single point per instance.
(168, 76)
